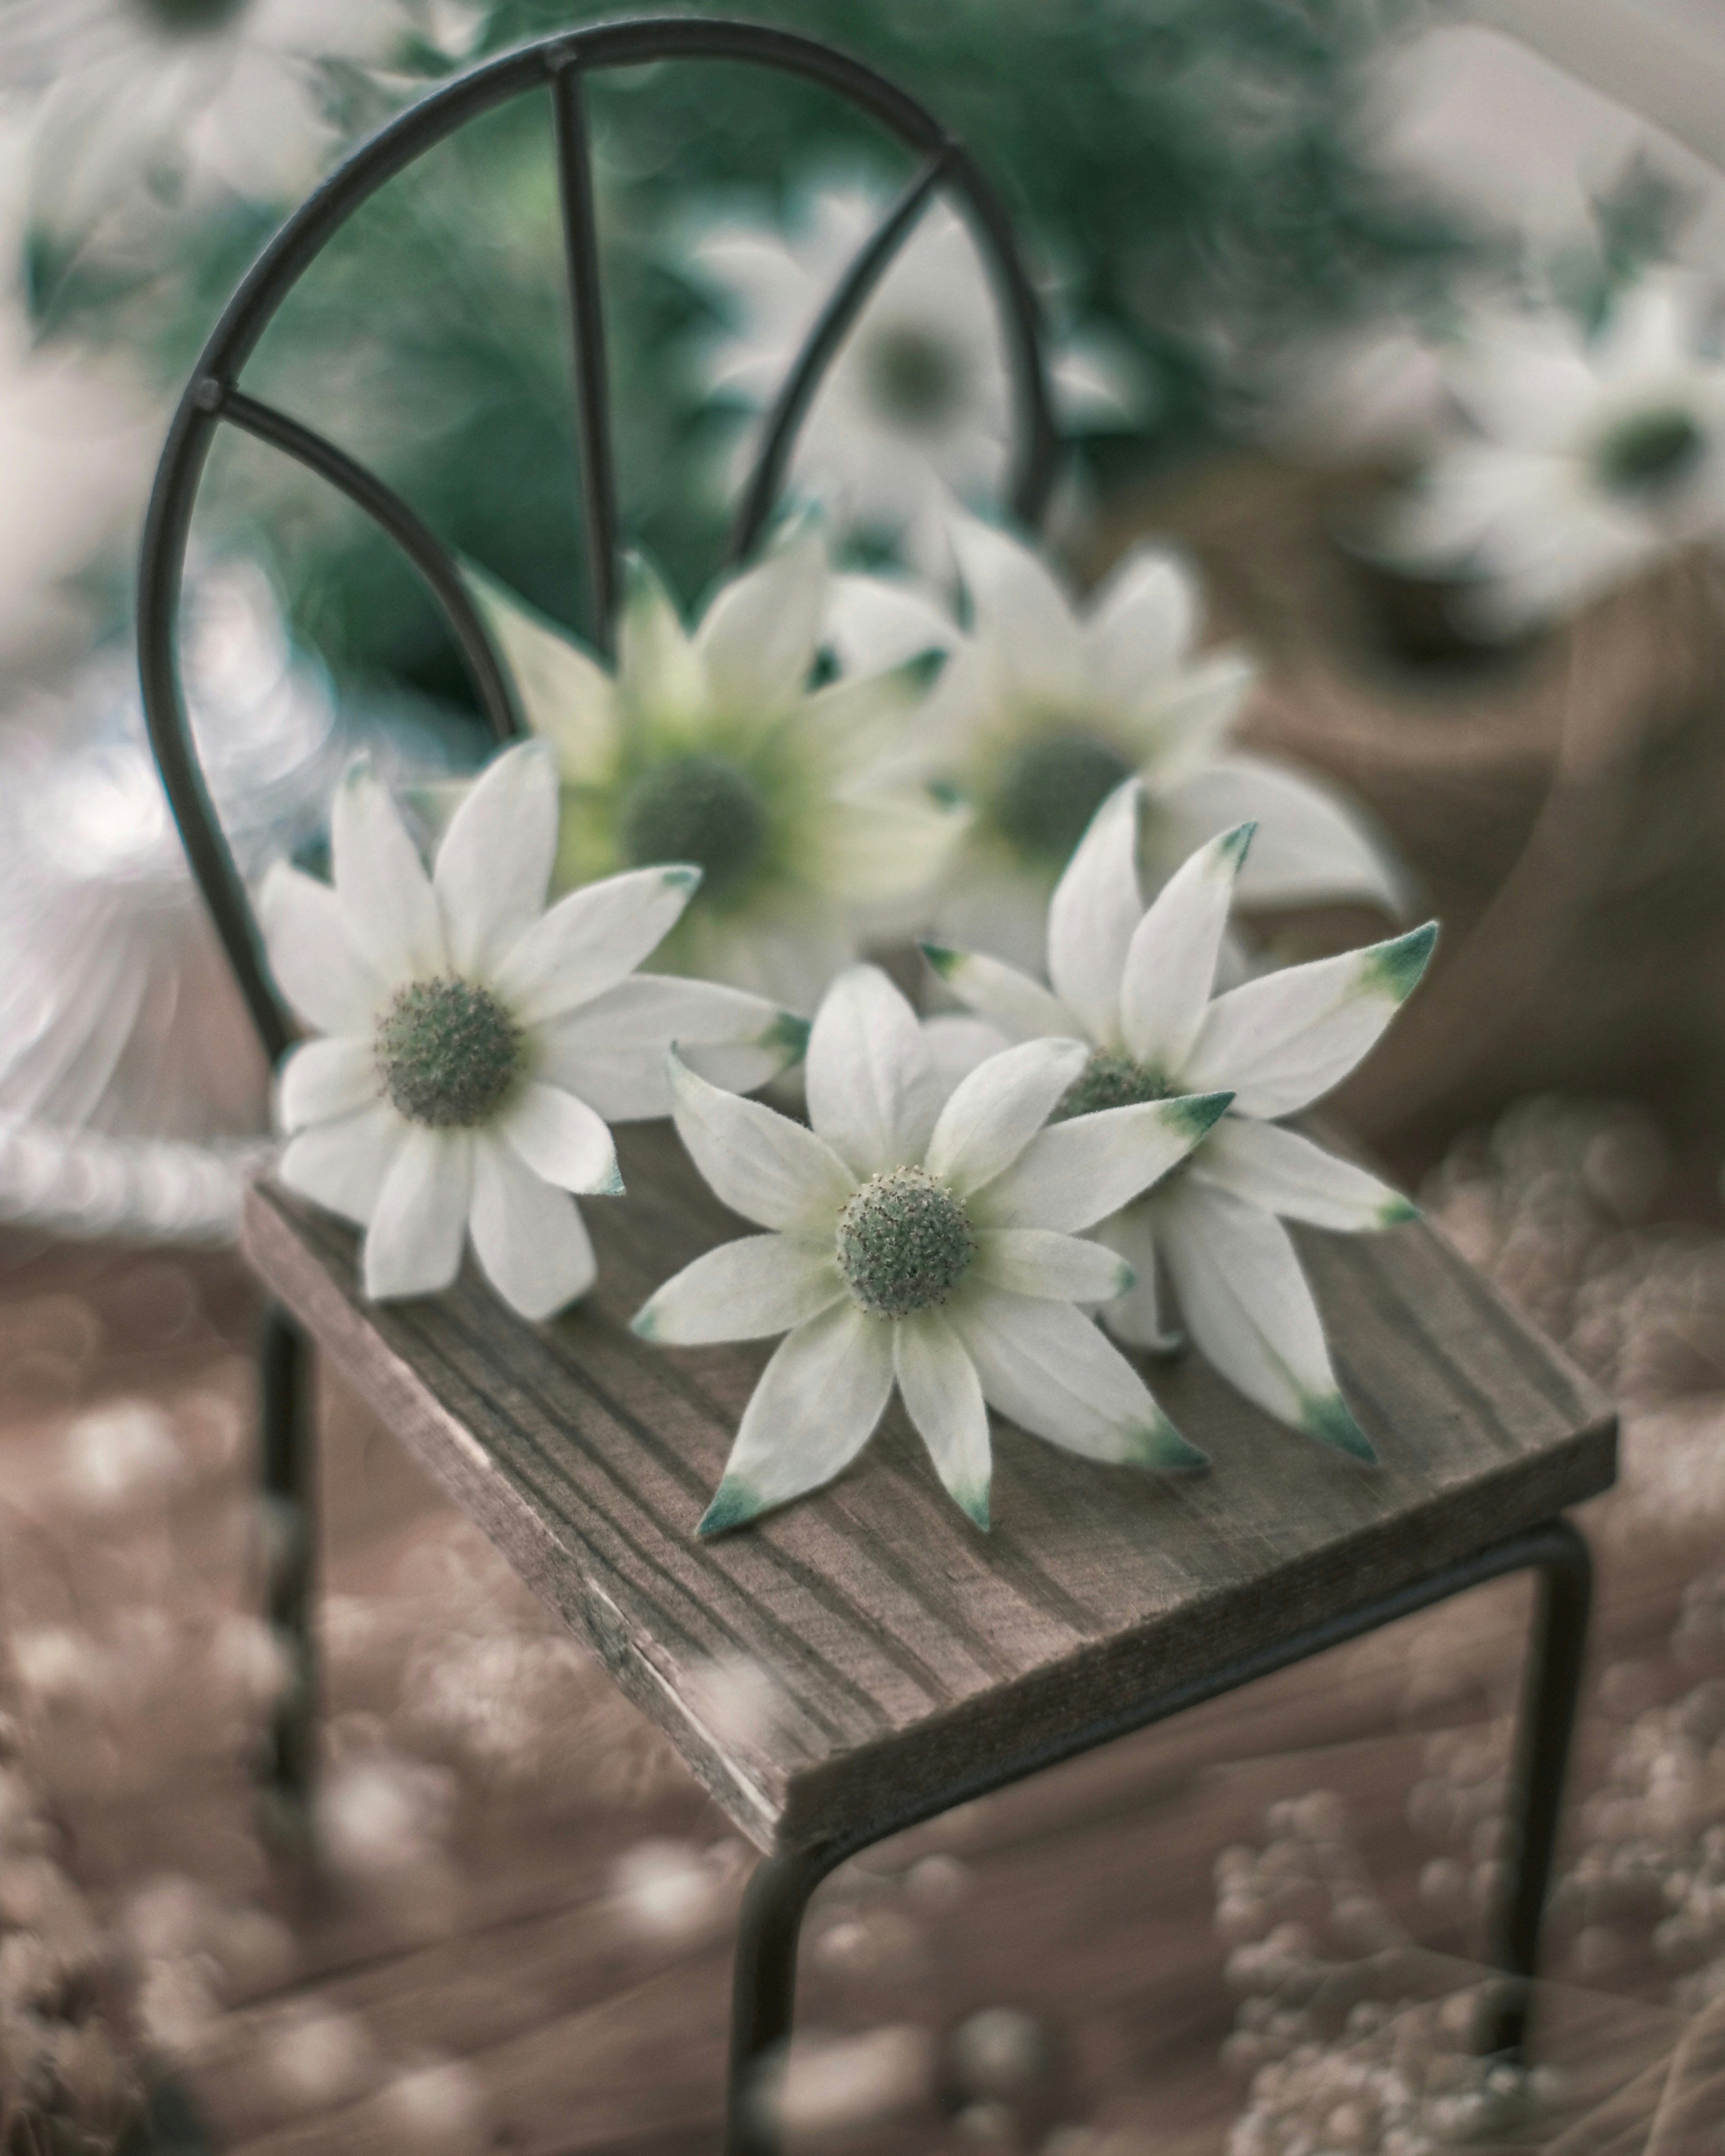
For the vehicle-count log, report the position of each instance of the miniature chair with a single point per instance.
(899, 1663)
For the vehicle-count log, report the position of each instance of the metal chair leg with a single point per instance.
(764, 1991)
(1551, 1694)
(291, 1501)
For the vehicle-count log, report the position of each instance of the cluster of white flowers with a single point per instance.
(745, 803)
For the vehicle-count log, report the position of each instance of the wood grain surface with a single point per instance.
(863, 1646)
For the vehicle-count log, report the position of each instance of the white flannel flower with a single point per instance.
(918, 402)
(1043, 708)
(145, 97)
(931, 1246)
(1138, 984)
(714, 748)
(1585, 460)
(479, 1044)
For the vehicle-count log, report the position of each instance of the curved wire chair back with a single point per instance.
(558, 66)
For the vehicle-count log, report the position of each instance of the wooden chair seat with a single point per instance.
(867, 1649)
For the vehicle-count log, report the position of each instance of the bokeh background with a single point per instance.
(1263, 229)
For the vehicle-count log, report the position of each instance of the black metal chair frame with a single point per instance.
(778, 1893)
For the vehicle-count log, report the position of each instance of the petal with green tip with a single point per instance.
(1330, 1420)
(1074, 1174)
(1170, 969)
(734, 1505)
(612, 1051)
(1291, 1176)
(944, 1399)
(1022, 1008)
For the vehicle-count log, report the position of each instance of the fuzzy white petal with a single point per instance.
(943, 1397)
(1285, 1038)
(530, 1238)
(1288, 1175)
(1046, 1367)
(1021, 609)
(747, 1289)
(872, 1094)
(757, 637)
(312, 956)
(1141, 624)
(999, 1108)
(874, 623)
(762, 1164)
(1312, 846)
(872, 849)
(1074, 1174)
(1139, 1317)
(611, 1051)
(562, 1141)
(566, 697)
(1004, 995)
(494, 863)
(1171, 962)
(813, 1410)
(321, 1079)
(590, 940)
(387, 899)
(958, 1042)
(343, 1165)
(1247, 1305)
(658, 670)
(419, 1222)
(1191, 716)
(1037, 1261)
(1096, 908)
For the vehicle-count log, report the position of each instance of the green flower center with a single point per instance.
(913, 378)
(448, 1052)
(188, 17)
(1110, 1080)
(1648, 452)
(698, 808)
(905, 1243)
(1049, 790)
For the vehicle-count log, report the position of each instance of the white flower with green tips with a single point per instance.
(715, 748)
(478, 1045)
(922, 1240)
(1043, 707)
(1581, 458)
(1137, 985)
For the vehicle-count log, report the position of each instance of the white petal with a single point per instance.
(1046, 1367)
(494, 863)
(1022, 1008)
(312, 958)
(943, 1397)
(590, 940)
(1020, 608)
(611, 1050)
(757, 637)
(1288, 1175)
(321, 1079)
(1193, 716)
(872, 1094)
(1171, 962)
(857, 720)
(1141, 624)
(815, 1409)
(1138, 1317)
(996, 1112)
(1074, 1174)
(1036, 1262)
(874, 623)
(565, 696)
(958, 1042)
(1284, 1039)
(387, 900)
(531, 1238)
(1312, 847)
(658, 672)
(1249, 1309)
(1096, 908)
(870, 849)
(762, 1165)
(562, 1141)
(747, 1289)
(343, 1165)
(419, 1223)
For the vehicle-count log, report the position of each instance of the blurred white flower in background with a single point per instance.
(1046, 706)
(1581, 460)
(918, 402)
(143, 102)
